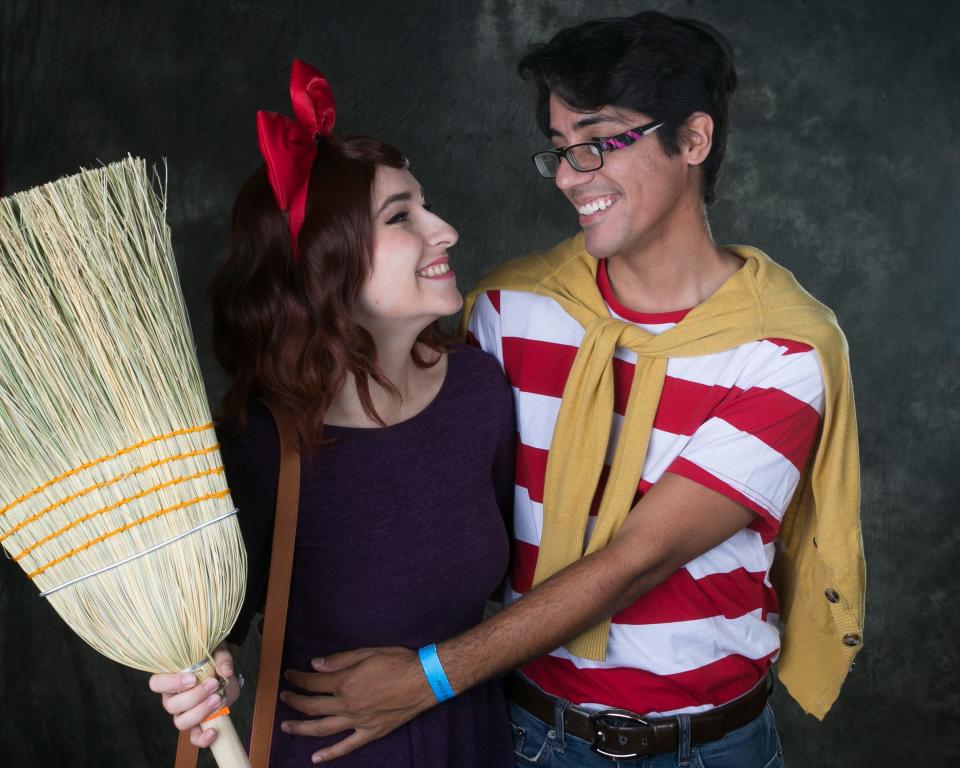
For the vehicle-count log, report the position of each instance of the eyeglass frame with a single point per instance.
(602, 144)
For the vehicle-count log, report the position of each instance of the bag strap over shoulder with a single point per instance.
(186, 752)
(278, 588)
(278, 592)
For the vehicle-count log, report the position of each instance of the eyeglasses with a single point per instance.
(588, 156)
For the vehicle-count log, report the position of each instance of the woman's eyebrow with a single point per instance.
(399, 197)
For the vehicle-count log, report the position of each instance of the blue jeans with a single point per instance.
(755, 745)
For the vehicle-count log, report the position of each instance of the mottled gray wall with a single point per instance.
(843, 165)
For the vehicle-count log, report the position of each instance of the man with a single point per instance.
(681, 407)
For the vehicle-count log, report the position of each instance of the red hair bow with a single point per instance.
(289, 147)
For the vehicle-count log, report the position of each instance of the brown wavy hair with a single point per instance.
(284, 331)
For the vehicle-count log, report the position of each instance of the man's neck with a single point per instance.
(675, 271)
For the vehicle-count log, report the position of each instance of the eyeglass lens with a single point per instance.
(547, 164)
(582, 157)
(585, 157)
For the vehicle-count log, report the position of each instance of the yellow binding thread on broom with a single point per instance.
(126, 527)
(121, 452)
(97, 486)
(110, 507)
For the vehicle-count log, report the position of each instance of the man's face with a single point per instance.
(629, 203)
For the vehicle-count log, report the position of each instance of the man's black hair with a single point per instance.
(662, 66)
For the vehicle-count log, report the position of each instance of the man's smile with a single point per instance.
(591, 206)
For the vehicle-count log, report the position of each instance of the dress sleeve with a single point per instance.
(756, 445)
(251, 459)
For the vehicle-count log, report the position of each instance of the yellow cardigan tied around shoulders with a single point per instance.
(819, 573)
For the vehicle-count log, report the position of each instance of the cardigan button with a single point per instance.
(851, 640)
(832, 595)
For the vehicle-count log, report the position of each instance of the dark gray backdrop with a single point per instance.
(842, 164)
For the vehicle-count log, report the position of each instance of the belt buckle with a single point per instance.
(614, 718)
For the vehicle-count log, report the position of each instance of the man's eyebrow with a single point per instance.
(584, 122)
(397, 198)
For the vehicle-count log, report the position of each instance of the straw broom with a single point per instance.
(112, 493)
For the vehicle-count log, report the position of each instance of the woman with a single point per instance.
(407, 442)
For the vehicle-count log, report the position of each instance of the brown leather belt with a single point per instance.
(620, 734)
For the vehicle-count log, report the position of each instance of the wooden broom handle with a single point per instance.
(227, 749)
(275, 612)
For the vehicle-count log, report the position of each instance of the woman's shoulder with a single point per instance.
(480, 394)
(476, 374)
(250, 439)
(467, 360)
(255, 423)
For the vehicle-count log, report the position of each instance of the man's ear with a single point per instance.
(696, 137)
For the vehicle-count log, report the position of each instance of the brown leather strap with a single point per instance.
(186, 752)
(278, 588)
(278, 592)
(617, 733)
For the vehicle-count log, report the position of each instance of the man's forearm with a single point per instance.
(676, 521)
(559, 609)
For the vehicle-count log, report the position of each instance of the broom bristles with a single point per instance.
(108, 450)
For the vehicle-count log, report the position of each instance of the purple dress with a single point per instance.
(401, 538)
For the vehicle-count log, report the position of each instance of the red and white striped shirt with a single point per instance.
(741, 422)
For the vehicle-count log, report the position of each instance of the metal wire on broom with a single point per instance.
(112, 494)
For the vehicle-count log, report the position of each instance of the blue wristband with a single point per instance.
(433, 669)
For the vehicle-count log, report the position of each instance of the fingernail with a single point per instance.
(188, 680)
(317, 758)
(285, 727)
(286, 674)
(211, 684)
(214, 701)
(317, 662)
(284, 696)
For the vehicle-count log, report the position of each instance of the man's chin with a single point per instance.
(597, 246)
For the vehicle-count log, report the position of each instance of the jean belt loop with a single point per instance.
(559, 708)
(683, 739)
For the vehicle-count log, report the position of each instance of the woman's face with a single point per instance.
(410, 280)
